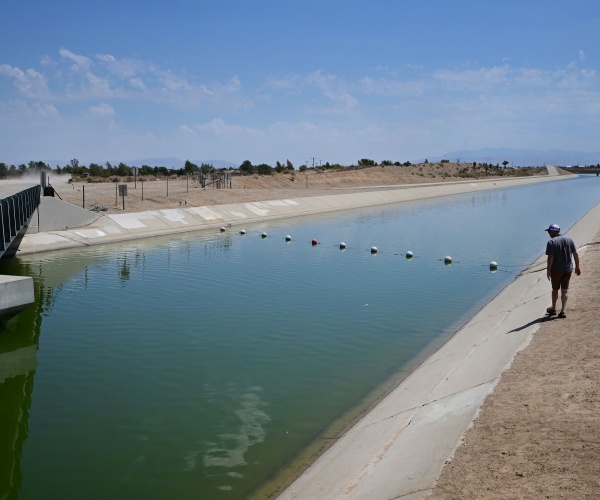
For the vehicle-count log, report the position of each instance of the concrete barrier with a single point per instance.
(16, 294)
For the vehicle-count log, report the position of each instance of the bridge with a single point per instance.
(17, 204)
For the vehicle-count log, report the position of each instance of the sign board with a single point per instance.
(122, 189)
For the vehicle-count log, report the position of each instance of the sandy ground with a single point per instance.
(538, 434)
(158, 193)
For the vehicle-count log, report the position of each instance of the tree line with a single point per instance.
(75, 169)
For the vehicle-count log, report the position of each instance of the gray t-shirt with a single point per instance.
(562, 247)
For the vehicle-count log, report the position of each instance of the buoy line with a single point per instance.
(409, 255)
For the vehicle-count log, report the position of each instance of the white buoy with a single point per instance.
(263, 235)
(373, 249)
(409, 255)
(242, 232)
(222, 229)
(493, 266)
(448, 259)
(342, 245)
(288, 238)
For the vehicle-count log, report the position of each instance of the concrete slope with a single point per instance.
(400, 447)
(56, 215)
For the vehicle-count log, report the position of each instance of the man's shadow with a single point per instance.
(543, 319)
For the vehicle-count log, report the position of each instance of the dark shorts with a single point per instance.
(560, 280)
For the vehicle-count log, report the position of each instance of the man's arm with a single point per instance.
(549, 266)
(576, 257)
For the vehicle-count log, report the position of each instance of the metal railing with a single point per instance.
(15, 212)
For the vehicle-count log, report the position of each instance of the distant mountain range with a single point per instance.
(522, 157)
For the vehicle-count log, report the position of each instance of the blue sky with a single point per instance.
(266, 81)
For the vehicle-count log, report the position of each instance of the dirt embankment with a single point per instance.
(538, 434)
(151, 193)
(380, 176)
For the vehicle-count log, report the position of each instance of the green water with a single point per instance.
(200, 366)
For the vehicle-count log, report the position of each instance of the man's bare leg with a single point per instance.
(554, 299)
(564, 296)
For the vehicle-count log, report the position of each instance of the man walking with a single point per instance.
(560, 251)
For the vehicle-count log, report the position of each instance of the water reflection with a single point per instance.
(18, 362)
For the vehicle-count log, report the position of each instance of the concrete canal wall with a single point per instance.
(16, 294)
(56, 215)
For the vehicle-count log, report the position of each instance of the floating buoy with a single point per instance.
(263, 235)
(242, 232)
(222, 229)
(342, 245)
(314, 242)
(409, 255)
(493, 266)
(448, 259)
(288, 238)
(373, 249)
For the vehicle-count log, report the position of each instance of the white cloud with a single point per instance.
(473, 80)
(91, 85)
(137, 83)
(291, 83)
(102, 110)
(316, 113)
(531, 77)
(46, 111)
(81, 63)
(334, 89)
(220, 128)
(390, 88)
(29, 83)
(106, 58)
